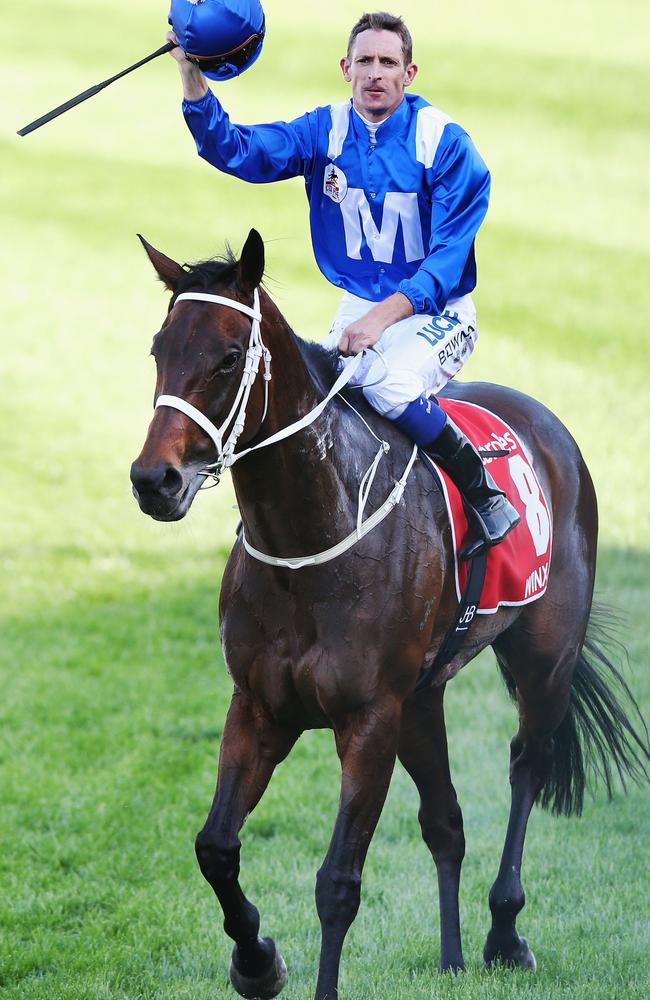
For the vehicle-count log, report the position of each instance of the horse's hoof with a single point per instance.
(526, 959)
(453, 967)
(263, 987)
(519, 957)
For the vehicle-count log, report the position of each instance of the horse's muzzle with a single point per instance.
(162, 491)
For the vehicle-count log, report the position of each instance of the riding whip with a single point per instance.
(222, 37)
(80, 98)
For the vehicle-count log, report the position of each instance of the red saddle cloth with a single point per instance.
(517, 568)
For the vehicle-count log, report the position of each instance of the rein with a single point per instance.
(226, 455)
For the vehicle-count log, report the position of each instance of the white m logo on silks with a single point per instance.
(358, 222)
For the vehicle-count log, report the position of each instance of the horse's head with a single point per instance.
(203, 356)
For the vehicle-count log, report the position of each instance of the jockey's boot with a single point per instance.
(492, 515)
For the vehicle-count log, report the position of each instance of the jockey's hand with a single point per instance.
(194, 83)
(368, 330)
(176, 53)
(357, 336)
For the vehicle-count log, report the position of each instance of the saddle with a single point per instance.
(510, 574)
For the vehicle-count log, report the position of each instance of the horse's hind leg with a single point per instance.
(423, 752)
(542, 676)
(250, 749)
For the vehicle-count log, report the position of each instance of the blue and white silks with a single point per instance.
(399, 214)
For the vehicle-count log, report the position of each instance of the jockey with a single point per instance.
(397, 192)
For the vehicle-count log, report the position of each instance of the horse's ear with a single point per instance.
(251, 263)
(167, 269)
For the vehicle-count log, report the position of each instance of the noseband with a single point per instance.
(255, 352)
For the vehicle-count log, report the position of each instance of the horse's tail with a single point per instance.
(597, 737)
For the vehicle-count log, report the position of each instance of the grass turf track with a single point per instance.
(113, 688)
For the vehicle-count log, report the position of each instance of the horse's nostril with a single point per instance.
(162, 478)
(172, 481)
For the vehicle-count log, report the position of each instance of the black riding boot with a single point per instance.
(492, 514)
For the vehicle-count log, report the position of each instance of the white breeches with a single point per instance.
(417, 356)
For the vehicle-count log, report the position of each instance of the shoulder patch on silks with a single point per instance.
(517, 569)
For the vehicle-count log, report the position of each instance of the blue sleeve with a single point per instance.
(460, 199)
(255, 153)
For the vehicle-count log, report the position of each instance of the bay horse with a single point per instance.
(342, 644)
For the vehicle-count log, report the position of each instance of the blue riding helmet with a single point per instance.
(222, 37)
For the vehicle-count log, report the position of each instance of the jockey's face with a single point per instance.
(377, 73)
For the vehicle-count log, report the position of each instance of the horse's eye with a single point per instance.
(230, 361)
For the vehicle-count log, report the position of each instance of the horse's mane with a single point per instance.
(204, 274)
(324, 365)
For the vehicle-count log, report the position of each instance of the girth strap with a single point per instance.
(465, 613)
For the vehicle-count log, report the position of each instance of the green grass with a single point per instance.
(113, 687)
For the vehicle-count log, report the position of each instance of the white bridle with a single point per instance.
(254, 354)
(226, 456)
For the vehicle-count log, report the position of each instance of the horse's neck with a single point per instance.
(295, 493)
(293, 390)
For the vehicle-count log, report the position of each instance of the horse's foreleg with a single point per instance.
(423, 752)
(367, 748)
(250, 749)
